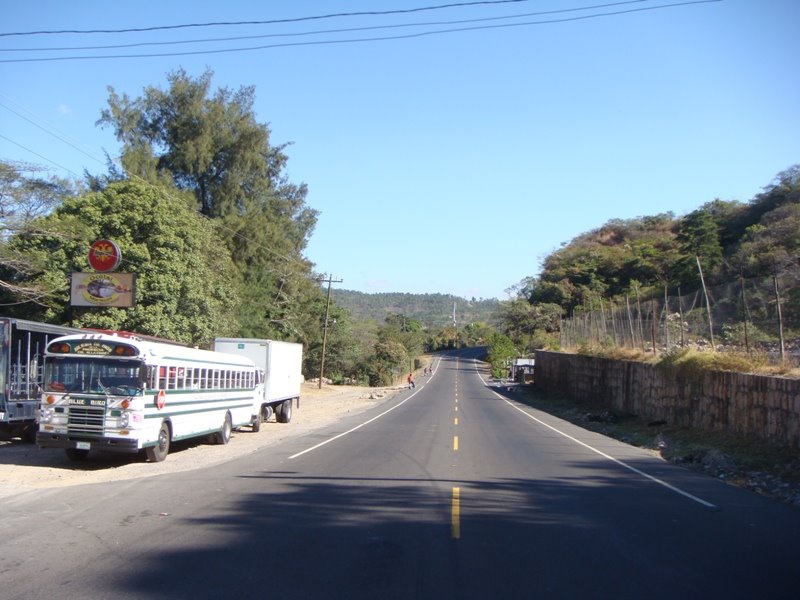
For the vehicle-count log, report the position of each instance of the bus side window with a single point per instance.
(162, 378)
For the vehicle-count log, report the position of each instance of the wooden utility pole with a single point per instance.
(330, 280)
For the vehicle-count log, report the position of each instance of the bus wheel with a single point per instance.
(159, 452)
(284, 412)
(223, 436)
(256, 421)
(76, 455)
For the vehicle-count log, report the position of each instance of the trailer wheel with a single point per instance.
(76, 455)
(283, 414)
(159, 452)
(266, 413)
(223, 436)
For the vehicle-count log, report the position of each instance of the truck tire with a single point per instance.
(256, 421)
(29, 433)
(159, 452)
(266, 413)
(283, 413)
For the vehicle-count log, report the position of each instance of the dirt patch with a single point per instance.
(24, 466)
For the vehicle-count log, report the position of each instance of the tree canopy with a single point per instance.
(186, 289)
(210, 144)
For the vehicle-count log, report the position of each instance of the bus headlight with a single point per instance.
(125, 420)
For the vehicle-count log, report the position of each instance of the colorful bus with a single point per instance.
(22, 345)
(122, 393)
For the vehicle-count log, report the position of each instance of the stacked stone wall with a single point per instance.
(753, 405)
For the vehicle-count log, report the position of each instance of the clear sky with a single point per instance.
(447, 154)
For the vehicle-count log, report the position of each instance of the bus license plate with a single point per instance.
(82, 446)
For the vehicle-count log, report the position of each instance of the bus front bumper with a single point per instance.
(60, 440)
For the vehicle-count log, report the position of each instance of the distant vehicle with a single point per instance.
(522, 370)
(123, 393)
(22, 345)
(281, 364)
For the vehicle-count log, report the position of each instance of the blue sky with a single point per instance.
(448, 162)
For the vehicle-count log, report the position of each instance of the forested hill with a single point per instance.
(730, 240)
(432, 310)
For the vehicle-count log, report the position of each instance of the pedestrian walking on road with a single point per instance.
(410, 381)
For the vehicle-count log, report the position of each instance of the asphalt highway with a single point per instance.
(449, 490)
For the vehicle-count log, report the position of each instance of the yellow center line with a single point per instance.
(455, 442)
(455, 514)
(455, 421)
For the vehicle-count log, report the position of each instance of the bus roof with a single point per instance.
(166, 351)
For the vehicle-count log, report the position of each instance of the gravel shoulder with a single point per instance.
(24, 466)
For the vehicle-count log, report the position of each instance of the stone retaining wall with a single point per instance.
(754, 405)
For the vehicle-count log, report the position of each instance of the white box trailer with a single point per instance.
(281, 363)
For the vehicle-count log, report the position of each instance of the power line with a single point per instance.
(52, 162)
(269, 22)
(361, 40)
(67, 142)
(323, 31)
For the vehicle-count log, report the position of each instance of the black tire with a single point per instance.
(159, 452)
(223, 436)
(283, 412)
(266, 413)
(29, 434)
(76, 455)
(256, 422)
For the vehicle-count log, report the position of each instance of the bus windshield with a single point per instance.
(93, 375)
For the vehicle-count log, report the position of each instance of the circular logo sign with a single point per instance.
(161, 399)
(104, 256)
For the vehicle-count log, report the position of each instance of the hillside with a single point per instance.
(731, 240)
(432, 310)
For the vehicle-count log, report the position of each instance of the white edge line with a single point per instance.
(360, 425)
(603, 454)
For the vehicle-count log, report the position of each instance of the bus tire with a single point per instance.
(223, 436)
(284, 412)
(256, 421)
(159, 452)
(76, 455)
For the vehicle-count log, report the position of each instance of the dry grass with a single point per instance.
(697, 360)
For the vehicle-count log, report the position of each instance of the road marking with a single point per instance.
(357, 427)
(455, 421)
(455, 514)
(660, 482)
(455, 442)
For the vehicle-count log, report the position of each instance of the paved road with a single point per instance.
(450, 490)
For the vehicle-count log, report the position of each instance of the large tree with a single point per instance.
(186, 284)
(210, 144)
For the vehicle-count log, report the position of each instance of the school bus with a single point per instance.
(122, 393)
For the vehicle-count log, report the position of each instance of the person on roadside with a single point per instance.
(411, 381)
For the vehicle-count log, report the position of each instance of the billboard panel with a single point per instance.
(103, 289)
